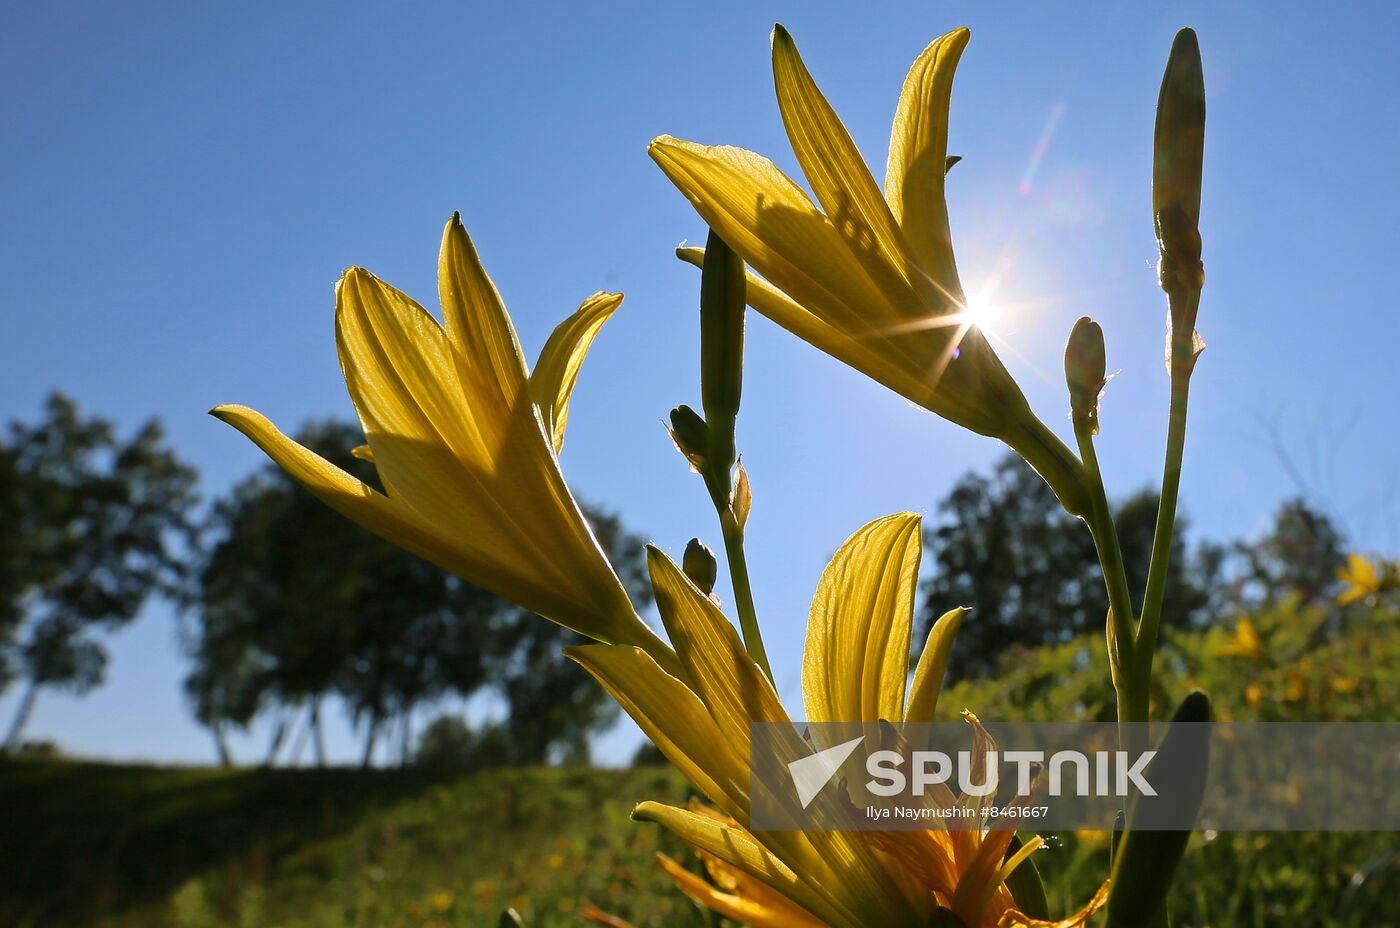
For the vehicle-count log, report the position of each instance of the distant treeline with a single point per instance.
(285, 606)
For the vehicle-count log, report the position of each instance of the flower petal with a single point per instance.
(856, 661)
(675, 720)
(772, 910)
(839, 176)
(764, 216)
(556, 372)
(914, 174)
(933, 665)
(866, 354)
(739, 849)
(489, 360)
(737, 694)
(717, 666)
(347, 495)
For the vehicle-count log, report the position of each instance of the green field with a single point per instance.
(108, 845)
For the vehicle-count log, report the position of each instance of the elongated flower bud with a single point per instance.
(1177, 151)
(1085, 364)
(691, 435)
(700, 566)
(722, 295)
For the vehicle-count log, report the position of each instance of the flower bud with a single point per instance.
(691, 435)
(700, 566)
(1085, 365)
(722, 295)
(1177, 152)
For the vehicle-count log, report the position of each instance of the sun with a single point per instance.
(981, 313)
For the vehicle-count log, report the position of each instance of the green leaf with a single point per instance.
(1146, 861)
(1025, 884)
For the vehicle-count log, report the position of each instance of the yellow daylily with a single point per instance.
(1362, 578)
(465, 441)
(1243, 642)
(855, 669)
(868, 277)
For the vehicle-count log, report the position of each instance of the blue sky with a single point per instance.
(182, 184)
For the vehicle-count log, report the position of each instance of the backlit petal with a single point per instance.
(856, 660)
(772, 911)
(914, 174)
(838, 175)
(489, 360)
(933, 665)
(556, 372)
(764, 216)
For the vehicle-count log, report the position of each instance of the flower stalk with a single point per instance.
(722, 307)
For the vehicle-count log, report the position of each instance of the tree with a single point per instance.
(1005, 546)
(1299, 557)
(92, 526)
(295, 604)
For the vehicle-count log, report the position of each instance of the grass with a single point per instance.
(97, 844)
(109, 845)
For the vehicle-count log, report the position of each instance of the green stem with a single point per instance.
(1120, 601)
(743, 592)
(1182, 361)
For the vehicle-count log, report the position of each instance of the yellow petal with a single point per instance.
(1014, 919)
(933, 665)
(740, 850)
(856, 661)
(675, 720)
(737, 694)
(556, 372)
(839, 176)
(772, 911)
(764, 216)
(864, 354)
(347, 495)
(717, 666)
(489, 359)
(402, 375)
(914, 174)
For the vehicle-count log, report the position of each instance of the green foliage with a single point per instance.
(104, 845)
(1316, 663)
(144, 847)
(91, 524)
(1003, 544)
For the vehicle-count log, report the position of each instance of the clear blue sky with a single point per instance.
(182, 183)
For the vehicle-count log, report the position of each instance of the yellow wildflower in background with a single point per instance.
(1363, 578)
(465, 441)
(868, 278)
(1243, 642)
(854, 669)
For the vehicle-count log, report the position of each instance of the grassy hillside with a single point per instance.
(93, 844)
(141, 846)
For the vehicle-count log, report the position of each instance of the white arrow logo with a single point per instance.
(810, 774)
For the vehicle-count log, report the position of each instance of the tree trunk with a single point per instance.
(221, 745)
(406, 742)
(279, 733)
(299, 742)
(370, 738)
(22, 715)
(318, 736)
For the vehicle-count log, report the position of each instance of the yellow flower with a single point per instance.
(868, 278)
(732, 892)
(1362, 578)
(1244, 642)
(854, 669)
(465, 441)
